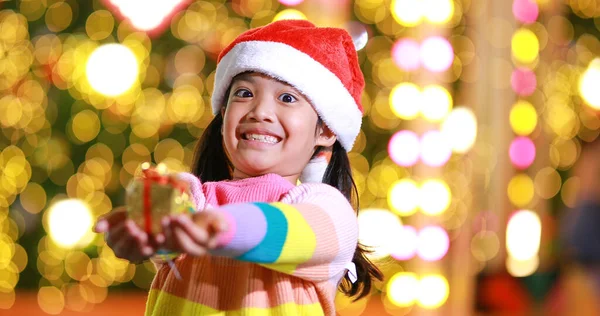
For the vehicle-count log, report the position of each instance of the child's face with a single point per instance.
(269, 127)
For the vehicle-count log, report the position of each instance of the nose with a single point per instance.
(263, 110)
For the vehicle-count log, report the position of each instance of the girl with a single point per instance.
(286, 97)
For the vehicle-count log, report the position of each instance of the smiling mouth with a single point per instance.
(261, 138)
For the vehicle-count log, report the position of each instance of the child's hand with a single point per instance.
(124, 237)
(195, 234)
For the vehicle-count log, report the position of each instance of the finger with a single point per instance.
(123, 246)
(196, 231)
(115, 234)
(186, 244)
(104, 223)
(141, 240)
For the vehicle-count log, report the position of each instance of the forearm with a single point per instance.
(297, 239)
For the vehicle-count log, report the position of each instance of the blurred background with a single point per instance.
(478, 164)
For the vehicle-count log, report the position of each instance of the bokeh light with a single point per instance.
(526, 11)
(522, 268)
(438, 11)
(403, 148)
(70, 223)
(437, 54)
(291, 2)
(403, 197)
(588, 84)
(433, 291)
(379, 229)
(436, 103)
(406, 54)
(520, 190)
(112, 69)
(525, 46)
(522, 152)
(434, 196)
(523, 81)
(289, 14)
(433, 243)
(523, 118)
(407, 248)
(402, 288)
(149, 15)
(405, 100)
(435, 149)
(460, 129)
(407, 12)
(523, 233)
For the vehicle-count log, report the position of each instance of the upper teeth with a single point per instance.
(262, 138)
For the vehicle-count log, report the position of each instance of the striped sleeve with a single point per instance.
(312, 236)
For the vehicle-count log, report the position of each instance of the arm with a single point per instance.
(312, 236)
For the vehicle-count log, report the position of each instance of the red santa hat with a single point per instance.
(320, 62)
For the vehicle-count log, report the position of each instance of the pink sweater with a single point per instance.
(285, 252)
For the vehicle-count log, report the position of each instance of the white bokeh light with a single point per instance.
(112, 69)
(379, 229)
(70, 223)
(460, 129)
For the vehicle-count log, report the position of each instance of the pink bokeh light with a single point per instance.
(437, 54)
(406, 248)
(523, 81)
(525, 11)
(522, 152)
(406, 54)
(433, 243)
(435, 149)
(291, 2)
(403, 148)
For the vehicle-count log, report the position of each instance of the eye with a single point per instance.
(287, 98)
(243, 93)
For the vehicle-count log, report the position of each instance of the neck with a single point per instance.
(238, 174)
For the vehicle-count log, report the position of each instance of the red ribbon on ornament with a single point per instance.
(151, 176)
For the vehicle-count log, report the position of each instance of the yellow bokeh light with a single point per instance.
(523, 118)
(70, 223)
(436, 103)
(434, 197)
(401, 289)
(405, 100)
(407, 12)
(523, 234)
(99, 25)
(589, 83)
(460, 129)
(547, 182)
(433, 291)
(438, 11)
(520, 190)
(289, 14)
(522, 268)
(403, 197)
(85, 125)
(525, 46)
(51, 300)
(112, 69)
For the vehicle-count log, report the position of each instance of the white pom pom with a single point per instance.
(314, 170)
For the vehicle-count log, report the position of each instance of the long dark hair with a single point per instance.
(212, 164)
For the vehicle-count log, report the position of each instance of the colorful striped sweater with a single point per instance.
(285, 252)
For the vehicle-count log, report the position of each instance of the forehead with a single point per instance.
(254, 77)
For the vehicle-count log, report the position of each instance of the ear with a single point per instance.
(326, 137)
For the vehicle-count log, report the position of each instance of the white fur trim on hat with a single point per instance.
(330, 98)
(314, 170)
